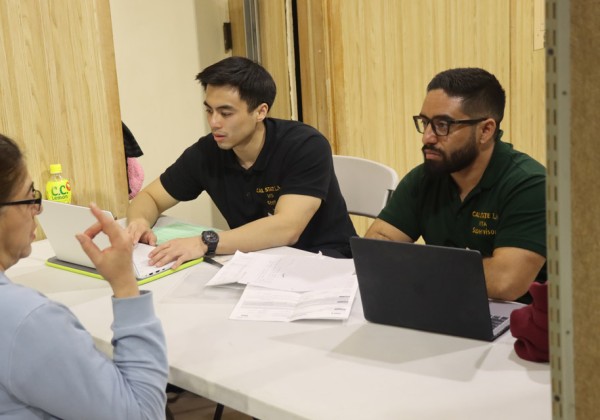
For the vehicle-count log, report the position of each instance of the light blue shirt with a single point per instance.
(50, 368)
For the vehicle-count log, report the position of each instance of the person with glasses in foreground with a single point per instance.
(473, 190)
(49, 366)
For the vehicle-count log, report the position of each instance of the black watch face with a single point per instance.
(210, 237)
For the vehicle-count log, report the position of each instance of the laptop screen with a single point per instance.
(61, 222)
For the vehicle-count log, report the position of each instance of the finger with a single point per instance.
(150, 238)
(89, 247)
(158, 250)
(93, 230)
(177, 263)
(108, 224)
(134, 233)
(147, 237)
(164, 259)
(155, 256)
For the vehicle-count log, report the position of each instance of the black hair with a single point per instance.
(254, 84)
(12, 167)
(481, 93)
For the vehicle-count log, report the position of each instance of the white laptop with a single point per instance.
(61, 222)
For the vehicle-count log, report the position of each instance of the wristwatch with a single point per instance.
(211, 239)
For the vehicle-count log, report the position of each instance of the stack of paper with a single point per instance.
(288, 288)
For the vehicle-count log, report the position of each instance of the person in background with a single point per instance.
(473, 190)
(135, 171)
(49, 366)
(273, 180)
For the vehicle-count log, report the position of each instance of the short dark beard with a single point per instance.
(457, 161)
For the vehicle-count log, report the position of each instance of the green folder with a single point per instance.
(178, 230)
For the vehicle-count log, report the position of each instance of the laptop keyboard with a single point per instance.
(497, 320)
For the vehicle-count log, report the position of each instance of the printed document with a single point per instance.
(290, 287)
(263, 304)
(294, 273)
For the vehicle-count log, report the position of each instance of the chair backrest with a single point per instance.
(366, 185)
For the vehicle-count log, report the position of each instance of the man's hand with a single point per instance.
(115, 262)
(140, 231)
(178, 250)
(144, 210)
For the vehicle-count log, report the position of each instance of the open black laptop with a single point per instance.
(426, 287)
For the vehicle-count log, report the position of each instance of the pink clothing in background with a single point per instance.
(135, 175)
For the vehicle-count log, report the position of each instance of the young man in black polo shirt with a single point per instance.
(273, 180)
(473, 190)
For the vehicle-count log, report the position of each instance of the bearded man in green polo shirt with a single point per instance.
(473, 190)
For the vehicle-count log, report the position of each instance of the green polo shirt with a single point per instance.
(506, 209)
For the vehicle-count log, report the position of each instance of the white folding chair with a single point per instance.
(366, 185)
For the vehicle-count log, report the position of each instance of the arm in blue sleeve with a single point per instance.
(56, 367)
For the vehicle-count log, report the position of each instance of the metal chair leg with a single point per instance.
(168, 414)
(218, 412)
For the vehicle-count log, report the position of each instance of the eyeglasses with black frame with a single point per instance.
(439, 125)
(36, 201)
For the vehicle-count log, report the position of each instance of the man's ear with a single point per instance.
(488, 129)
(261, 112)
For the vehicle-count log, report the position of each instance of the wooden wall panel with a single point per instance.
(59, 95)
(238, 34)
(277, 55)
(315, 66)
(585, 201)
(526, 106)
(274, 36)
(376, 57)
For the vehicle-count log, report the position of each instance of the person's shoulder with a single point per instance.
(13, 293)
(205, 141)
(280, 123)
(18, 302)
(524, 163)
(529, 164)
(519, 172)
(416, 174)
(201, 147)
(292, 128)
(418, 181)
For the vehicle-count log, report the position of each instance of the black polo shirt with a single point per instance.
(295, 159)
(507, 208)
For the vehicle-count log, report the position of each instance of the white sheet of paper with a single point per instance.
(264, 304)
(298, 273)
(237, 270)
